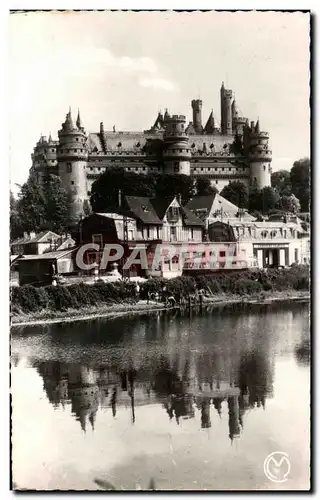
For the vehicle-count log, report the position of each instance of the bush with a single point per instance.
(29, 298)
(247, 287)
(60, 298)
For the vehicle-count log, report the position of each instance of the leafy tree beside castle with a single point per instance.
(237, 193)
(281, 181)
(263, 200)
(300, 182)
(39, 207)
(105, 190)
(290, 204)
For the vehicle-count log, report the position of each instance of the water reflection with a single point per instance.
(191, 393)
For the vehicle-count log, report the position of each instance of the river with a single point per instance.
(191, 402)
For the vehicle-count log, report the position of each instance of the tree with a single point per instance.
(263, 200)
(204, 188)
(55, 204)
(175, 184)
(290, 204)
(300, 181)
(281, 181)
(269, 198)
(255, 201)
(237, 193)
(15, 221)
(39, 207)
(31, 206)
(105, 190)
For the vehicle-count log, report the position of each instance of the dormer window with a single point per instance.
(144, 208)
(173, 213)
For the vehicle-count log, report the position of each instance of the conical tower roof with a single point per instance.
(209, 128)
(79, 122)
(257, 127)
(68, 124)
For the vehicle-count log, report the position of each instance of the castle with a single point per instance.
(234, 151)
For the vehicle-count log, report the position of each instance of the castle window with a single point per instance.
(88, 193)
(91, 168)
(72, 183)
(74, 150)
(264, 167)
(52, 150)
(77, 138)
(69, 168)
(215, 169)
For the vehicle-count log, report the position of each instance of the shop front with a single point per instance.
(271, 254)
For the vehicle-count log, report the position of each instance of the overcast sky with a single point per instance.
(121, 68)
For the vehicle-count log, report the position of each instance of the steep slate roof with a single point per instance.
(190, 219)
(161, 205)
(141, 207)
(201, 202)
(156, 210)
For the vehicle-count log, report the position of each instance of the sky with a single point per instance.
(121, 68)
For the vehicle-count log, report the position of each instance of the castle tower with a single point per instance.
(226, 110)
(196, 114)
(238, 122)
(72, 158)
(44, 158)
(176, 152)
(260, 157)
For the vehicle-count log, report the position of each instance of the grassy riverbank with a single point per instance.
(80, 301)
(114, 310)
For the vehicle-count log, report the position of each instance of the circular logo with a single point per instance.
(277, 466)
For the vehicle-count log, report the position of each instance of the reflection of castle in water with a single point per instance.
(196, 390)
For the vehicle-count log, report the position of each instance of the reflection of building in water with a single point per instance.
(255, 379)
(234, 420)
(55, 381)
(303, 352)
(188, 386)
(205, 414)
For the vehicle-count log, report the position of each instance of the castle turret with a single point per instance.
(103, 139)
(196, 114)
(260, 157)
(176, 152)
(226, 110)
(238, 122)
(44, 158)
(72, 158)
